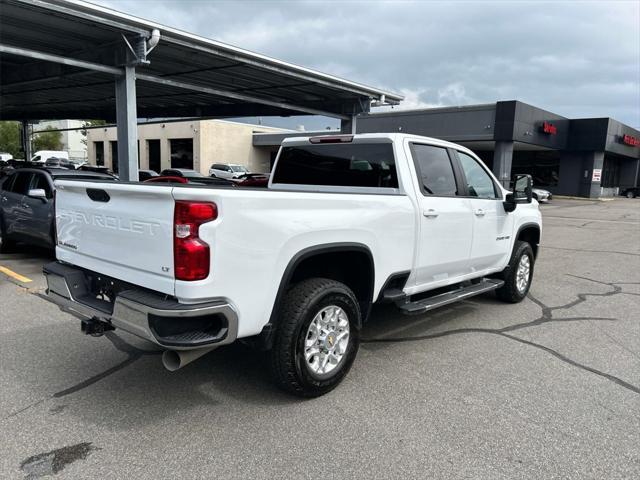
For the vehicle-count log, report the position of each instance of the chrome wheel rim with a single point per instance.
(327, 340)
(523, 273)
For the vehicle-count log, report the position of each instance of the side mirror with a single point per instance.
(521, 188)
(38, 193)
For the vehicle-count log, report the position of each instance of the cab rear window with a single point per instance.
(344, 165)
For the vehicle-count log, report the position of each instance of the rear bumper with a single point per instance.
(143, 313)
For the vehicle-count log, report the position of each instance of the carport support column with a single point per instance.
(26, 140)
(588, 187)
(348, 125)
(127, 120)
(502, 158)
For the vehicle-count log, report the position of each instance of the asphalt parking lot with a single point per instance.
(549, 388)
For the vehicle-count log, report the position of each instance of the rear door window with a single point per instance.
(7, 182)
(40, 182)
(434, 169)
(21, 183)
(343, 165)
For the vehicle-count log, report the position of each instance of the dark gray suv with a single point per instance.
(26, 205)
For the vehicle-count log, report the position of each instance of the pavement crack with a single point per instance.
(574, 363)
(24, 409)
(547, 317)
(586, 250)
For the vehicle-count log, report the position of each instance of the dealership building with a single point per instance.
(587, 157)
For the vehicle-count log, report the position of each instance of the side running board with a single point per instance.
(462, 293)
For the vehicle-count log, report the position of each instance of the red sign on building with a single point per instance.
(629, 140)
(549, 128)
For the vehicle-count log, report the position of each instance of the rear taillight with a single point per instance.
(191, 255)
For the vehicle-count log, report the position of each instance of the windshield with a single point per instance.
(238, 168)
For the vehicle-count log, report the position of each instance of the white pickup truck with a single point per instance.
(346, 221)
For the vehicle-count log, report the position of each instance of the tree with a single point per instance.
(87, 124)
(10, 139)
(47, 139)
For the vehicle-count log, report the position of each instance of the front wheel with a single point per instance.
(518, 274)
(630, 194)
(317, 337)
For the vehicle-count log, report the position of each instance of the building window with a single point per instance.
(181, 152)
(543, 166)
(114, 156)
(153, 151)
(610, 172)
(98, 147)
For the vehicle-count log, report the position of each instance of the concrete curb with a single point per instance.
(563, 197)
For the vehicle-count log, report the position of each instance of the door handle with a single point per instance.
(479, 212)
(431, 213)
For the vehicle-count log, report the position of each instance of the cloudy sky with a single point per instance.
(575, 58)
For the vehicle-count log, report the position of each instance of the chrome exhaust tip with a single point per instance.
(175, 359)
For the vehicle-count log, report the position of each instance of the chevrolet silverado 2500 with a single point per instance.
(346, 221)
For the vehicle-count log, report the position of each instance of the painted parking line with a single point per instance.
(14, 275)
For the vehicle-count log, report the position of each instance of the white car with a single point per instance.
(541, 195)
(346, 221)
(227, 170)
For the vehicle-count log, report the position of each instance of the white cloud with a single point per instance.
(575, 58)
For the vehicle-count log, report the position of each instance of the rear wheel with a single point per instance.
(317, 338)
(518, 274)
(631, 194)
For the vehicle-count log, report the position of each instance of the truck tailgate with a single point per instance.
(121, 230)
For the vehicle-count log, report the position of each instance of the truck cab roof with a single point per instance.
(370, 137)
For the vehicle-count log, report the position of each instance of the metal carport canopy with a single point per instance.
(59, 59)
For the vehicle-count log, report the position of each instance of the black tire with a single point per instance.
(6, 245)
(631, 194)
(301, 304)
(510, 292)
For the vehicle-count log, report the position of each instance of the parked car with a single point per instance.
(181, 172)
(78, 162)
(146, 174)
(346, 221)
(5, 168)
(202, 180)
(227, 170)
(41, 156)
(5, 156)
(541, 195)
(95, 168)
(54, 162)
(253, 180)
(27, 207)
(630, 192)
